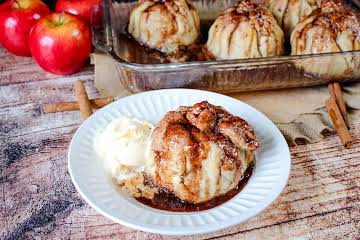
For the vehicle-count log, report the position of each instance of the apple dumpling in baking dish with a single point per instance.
(289, 13)
(165, 25)
(246, 30)
(331, 28)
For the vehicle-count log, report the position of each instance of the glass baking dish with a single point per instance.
(138, 71)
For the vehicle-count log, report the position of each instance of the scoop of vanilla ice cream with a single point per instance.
(122, 146)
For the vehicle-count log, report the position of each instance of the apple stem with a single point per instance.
(17, 3)
(60, 16)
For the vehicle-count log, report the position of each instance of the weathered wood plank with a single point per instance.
(59, 89)
(20, 106)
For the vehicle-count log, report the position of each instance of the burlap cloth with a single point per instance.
(298, 113)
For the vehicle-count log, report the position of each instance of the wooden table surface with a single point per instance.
(39, 201)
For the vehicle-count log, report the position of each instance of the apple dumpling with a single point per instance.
(165, 25)
(331, 28)
(200, 152)
(246, 30)
(289, 13)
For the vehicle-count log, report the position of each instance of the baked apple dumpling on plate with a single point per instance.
(246, 30)
(200, 152)
(194, 155)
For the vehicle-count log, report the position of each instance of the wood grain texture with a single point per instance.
(39, 201)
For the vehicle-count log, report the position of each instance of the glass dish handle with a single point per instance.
(101, 27)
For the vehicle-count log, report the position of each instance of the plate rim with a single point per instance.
(176, 231)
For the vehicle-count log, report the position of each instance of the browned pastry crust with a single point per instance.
(329, 6)
(183, 143)
(137, 186)
(259, 17)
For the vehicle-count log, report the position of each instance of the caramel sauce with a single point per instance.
(169, 202)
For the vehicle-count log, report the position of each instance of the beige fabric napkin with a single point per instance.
(298, 113)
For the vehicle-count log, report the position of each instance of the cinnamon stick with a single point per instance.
(336, 94)
(71, 106)
(341, 102)
(338, 122)
(332, 90)
(83, 100)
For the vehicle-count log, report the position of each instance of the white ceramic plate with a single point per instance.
(269, 177)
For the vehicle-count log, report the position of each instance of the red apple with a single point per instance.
(16, 20)
(60, 43)
(82, 8)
